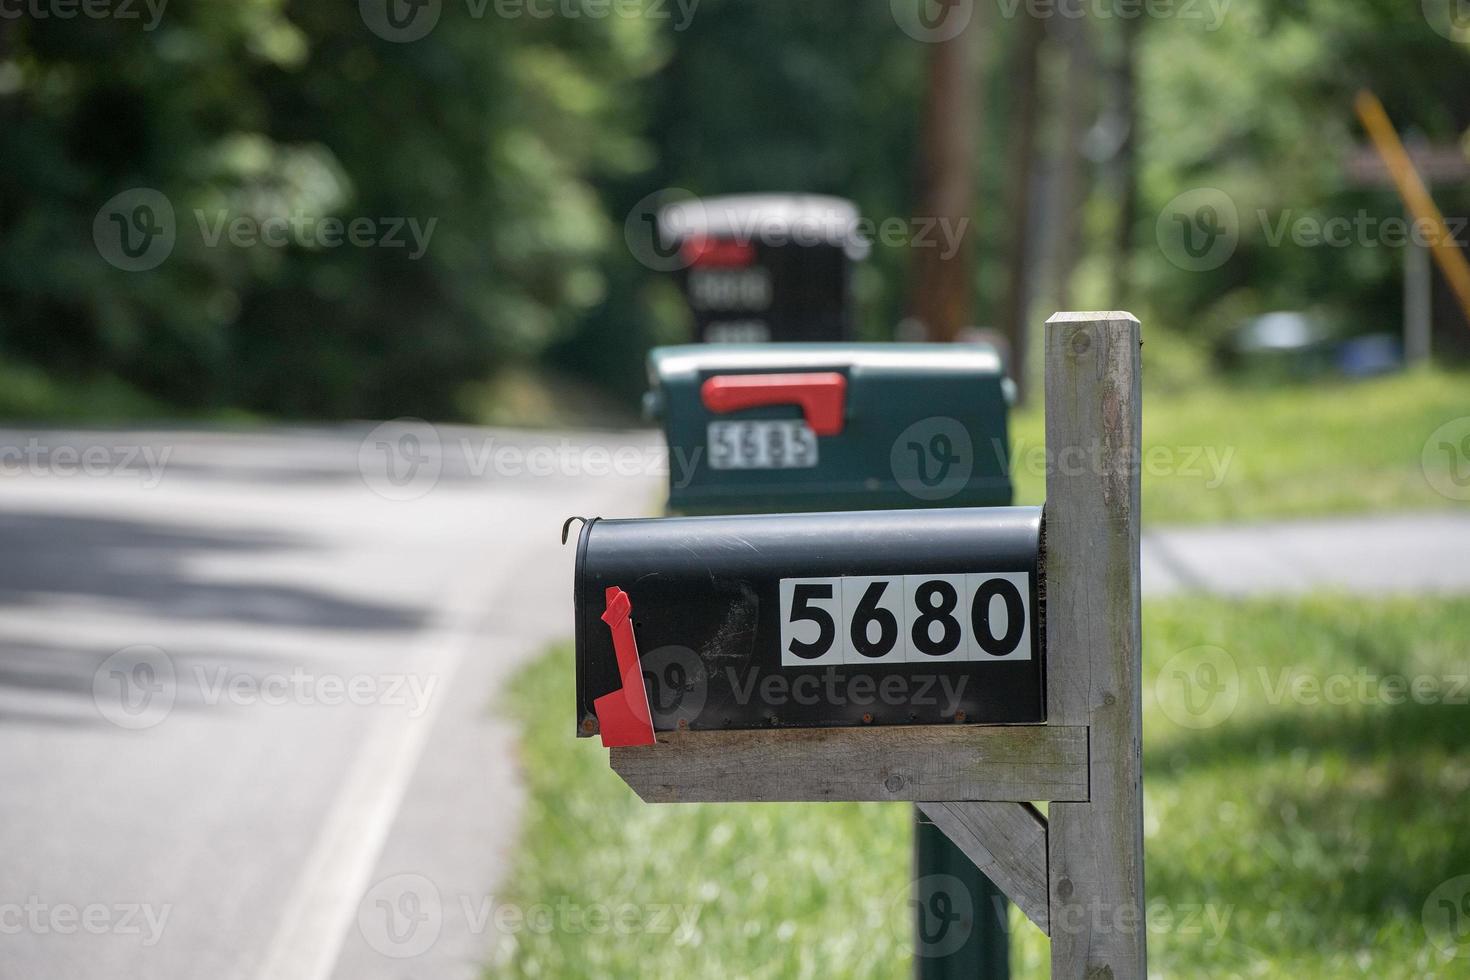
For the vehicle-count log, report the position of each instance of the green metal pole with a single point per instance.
(985, 952)
(960, 925)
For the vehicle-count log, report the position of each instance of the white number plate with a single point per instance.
(910, 619)
(761, 444)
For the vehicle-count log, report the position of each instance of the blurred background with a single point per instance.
(526, 136)
(239, 239)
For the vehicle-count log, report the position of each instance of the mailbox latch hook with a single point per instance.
(567, 524)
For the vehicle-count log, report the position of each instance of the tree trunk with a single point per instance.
(1077, 113)
(941, 287)
(1127, 162)
(1018, 209)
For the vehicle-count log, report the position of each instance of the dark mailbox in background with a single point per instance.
(831, 426)
(920, 617)
(766, 267)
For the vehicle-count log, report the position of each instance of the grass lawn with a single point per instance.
(1224, 453)
(1298, 822)
(1213, 452)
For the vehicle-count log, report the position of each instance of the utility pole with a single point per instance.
(1023, 156)
(941, 289)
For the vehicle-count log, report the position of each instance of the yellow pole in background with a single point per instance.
(1416, 196)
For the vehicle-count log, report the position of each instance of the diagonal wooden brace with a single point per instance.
(1007, 842)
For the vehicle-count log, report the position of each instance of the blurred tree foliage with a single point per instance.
(529, 139)
(1262, 108)
(1253, 97)
(490, 127)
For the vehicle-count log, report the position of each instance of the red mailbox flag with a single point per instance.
(822, 396)
(623, 716)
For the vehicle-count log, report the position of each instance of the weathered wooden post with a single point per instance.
(1054, 715)
(1093, 640)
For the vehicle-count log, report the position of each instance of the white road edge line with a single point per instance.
(323, 902)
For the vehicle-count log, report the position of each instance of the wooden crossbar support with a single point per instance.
(915, 765)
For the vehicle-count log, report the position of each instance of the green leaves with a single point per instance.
(290, 141)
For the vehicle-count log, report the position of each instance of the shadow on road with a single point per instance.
(144, 567)
(149, 572)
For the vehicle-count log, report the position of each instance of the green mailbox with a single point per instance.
(813, 427)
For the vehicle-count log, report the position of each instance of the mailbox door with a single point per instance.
(819, 620)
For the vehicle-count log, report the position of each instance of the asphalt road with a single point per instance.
(247, 690)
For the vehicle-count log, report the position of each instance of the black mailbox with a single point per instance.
(921, 617)
(766, 267)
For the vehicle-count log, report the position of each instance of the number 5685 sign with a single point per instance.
(945, 618)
